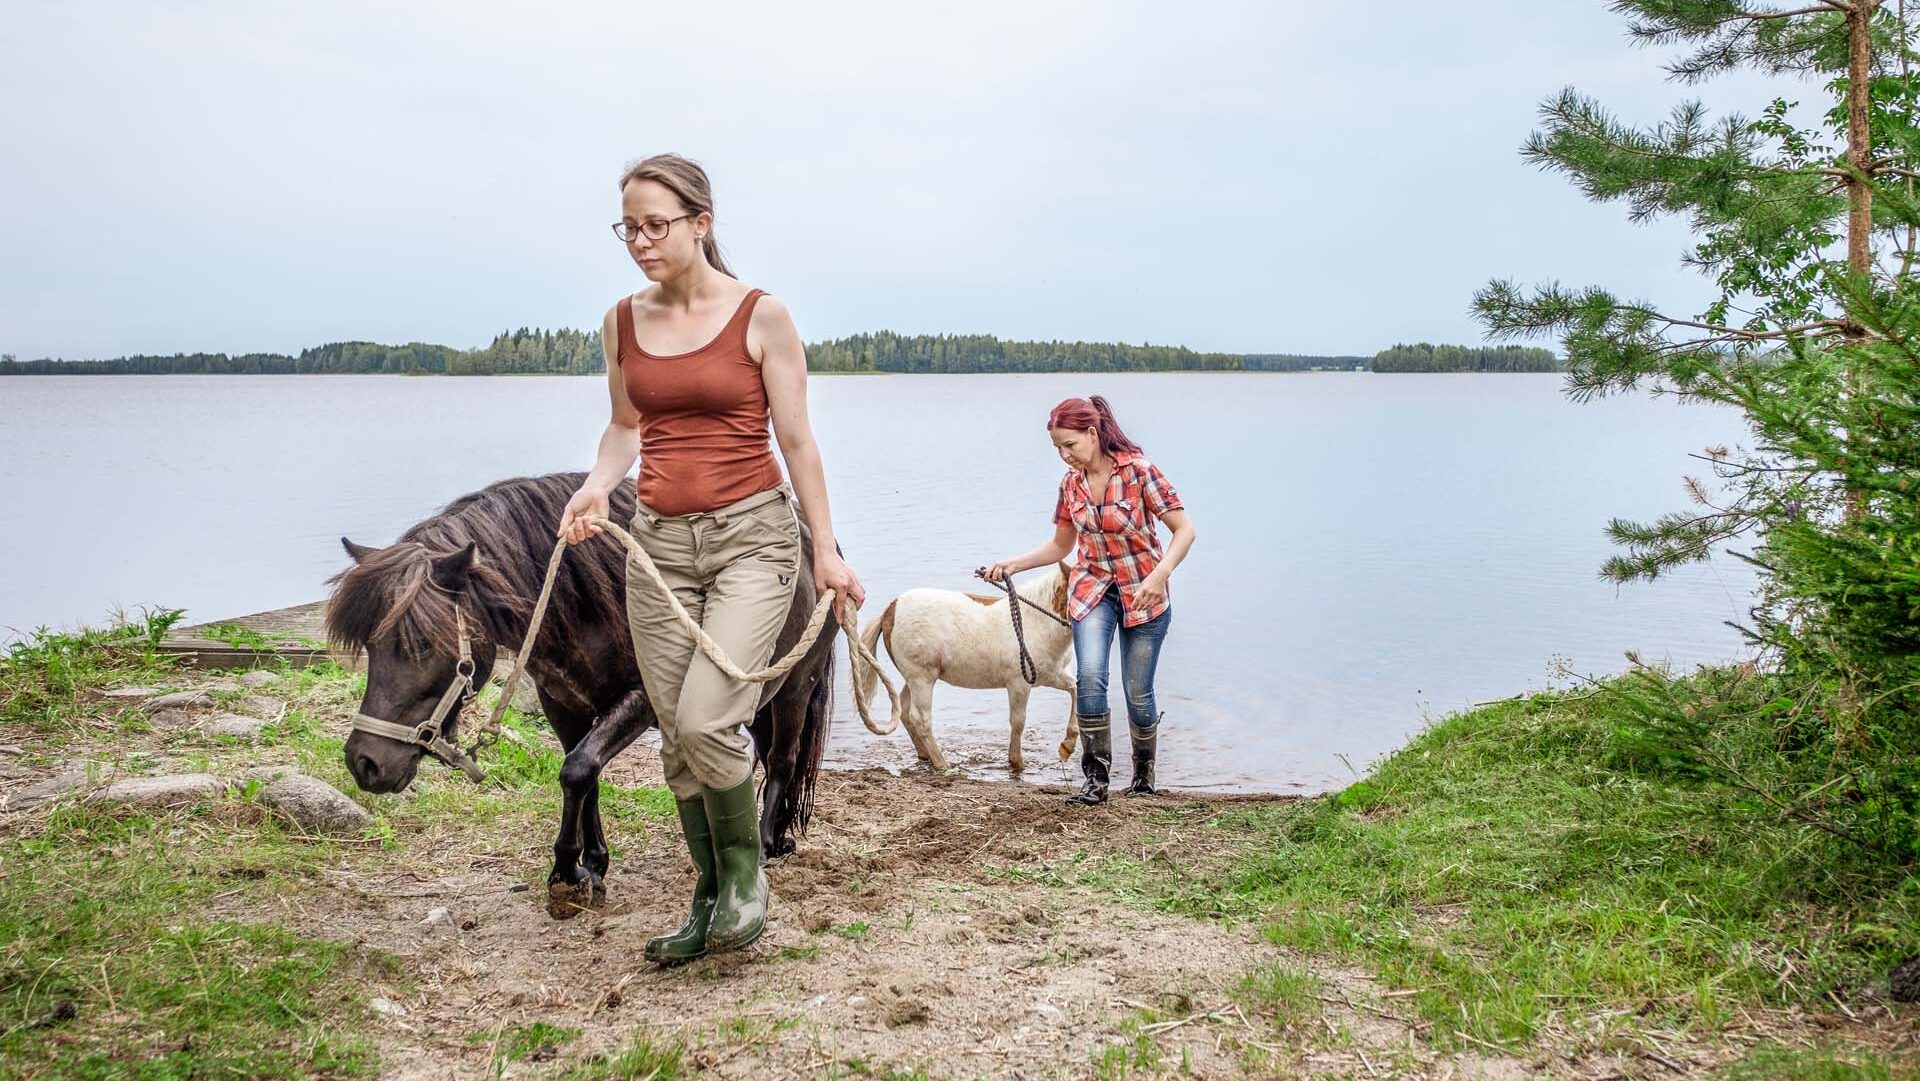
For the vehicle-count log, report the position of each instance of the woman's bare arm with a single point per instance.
(1052, 551)
(775, 342)
(619, 445)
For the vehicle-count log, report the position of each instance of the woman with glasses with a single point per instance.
(699, 365)
(1107, 507)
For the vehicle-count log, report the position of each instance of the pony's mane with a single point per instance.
(511, 526)
(1048, 590)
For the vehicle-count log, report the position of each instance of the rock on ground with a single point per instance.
(259, 677)
(131, 692)
(525, 698)
(261, 706)
(314, 805)
(179, 700)
(160, 791)
(43, 793)
(235, 725)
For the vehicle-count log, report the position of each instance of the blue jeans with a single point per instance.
(1139, 655)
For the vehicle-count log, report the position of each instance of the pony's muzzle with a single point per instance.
(381, 765)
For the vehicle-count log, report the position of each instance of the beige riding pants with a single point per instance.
(735, 570)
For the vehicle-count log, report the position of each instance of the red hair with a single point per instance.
(1083, 414)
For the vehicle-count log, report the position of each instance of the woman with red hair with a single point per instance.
(1108, 501)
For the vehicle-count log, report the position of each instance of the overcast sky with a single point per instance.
(1258, 176)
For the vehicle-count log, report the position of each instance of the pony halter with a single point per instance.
(427, 735)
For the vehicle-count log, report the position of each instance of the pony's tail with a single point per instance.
(796, 798)
(866, 679)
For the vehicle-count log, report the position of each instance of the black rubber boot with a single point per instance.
(1145, 746)
(740, 903)
(1096, 759)
(690, 941)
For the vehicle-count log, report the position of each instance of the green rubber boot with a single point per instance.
(740, 906)
(690, 941)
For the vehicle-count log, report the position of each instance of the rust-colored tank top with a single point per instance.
(703, 418)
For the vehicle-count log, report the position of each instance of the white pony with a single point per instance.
(966, 639)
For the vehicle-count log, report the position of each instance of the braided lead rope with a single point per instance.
(857, 653)
(1028, 670)
(491, 731)
(816, 623)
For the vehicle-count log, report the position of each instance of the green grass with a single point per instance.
(539, 1041)
(112, 966)
(861, 1066)
(1506, 865)
(47, 678)
(642, 1060)
(1288, 995)
(857, 931)
(1771, 1062)
(237, 636)
(1136, 1057)
(240, 636)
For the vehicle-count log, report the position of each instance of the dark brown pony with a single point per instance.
(487, 553)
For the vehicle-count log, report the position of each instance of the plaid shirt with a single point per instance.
(1118, 543)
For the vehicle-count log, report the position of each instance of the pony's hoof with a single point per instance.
(566, 900)
(778, 847)
(1017, 765)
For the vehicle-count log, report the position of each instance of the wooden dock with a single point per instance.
(293, 636)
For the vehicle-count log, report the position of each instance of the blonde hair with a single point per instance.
(688, 183)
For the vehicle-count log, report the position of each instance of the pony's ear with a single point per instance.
(359, 552)
(450, 571)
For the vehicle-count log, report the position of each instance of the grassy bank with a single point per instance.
(1517, 878)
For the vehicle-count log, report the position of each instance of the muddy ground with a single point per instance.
(926, 924)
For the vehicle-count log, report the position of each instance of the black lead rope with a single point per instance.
(1028, 670)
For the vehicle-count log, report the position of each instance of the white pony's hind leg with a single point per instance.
(919, 721)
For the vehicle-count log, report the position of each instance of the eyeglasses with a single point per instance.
(654, 228)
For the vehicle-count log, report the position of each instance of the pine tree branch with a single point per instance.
(1736, 333)
(1739, 780)
(1742, 468)
(1827, 8)
(1913, 230)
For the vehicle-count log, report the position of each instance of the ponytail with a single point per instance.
(1096, 415)
(710, 247)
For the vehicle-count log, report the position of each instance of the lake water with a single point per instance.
(1374, 550)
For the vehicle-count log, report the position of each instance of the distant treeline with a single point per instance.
(550, 352)
(886, 351)
(535, 352)
(1287, 362)
(413, 358)
(1426, 357)
(575, 352)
